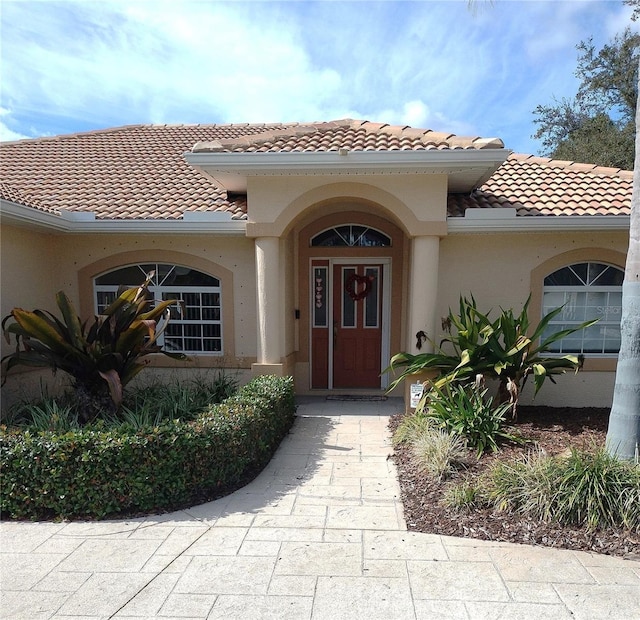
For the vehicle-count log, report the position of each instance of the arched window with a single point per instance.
(587, 291)
(351, 236)
(195, 325)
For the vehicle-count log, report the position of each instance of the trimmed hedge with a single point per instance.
(98, 473)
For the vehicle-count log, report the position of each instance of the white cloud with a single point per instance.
(415, 113)
(158, 61)
(434, 64)
(617, 22)
(7, 134)
(418, 114)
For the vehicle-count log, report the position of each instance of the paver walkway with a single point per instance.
(318, 535)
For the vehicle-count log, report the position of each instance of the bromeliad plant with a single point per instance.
(506, 349)
(467, 412)
(101, 355)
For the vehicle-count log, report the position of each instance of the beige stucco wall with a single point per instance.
(497, 270)
(287, 258)
(29, 278)
(35, 266)
(235, 254)
(415, 201)
(28, 269)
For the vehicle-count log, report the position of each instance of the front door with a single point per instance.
(357, 325)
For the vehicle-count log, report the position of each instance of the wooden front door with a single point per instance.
(357, 325)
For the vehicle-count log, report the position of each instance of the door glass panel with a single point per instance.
(320, 316)
(371, 309)
(348, 304)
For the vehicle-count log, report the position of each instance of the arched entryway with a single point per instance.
(350, 271)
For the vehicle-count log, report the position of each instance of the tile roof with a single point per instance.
(536, 186)
(15, 195)
(139, 172)
(132, 172)
(350, 134)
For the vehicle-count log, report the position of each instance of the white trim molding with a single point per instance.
(536, 223)
(222, 224)
(466, 168)
(86, 222)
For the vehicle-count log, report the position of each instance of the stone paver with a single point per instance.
(319, 534)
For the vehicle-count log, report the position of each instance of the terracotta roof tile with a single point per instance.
(128, 172)
(350, 134)
(138, 171)
(12, 194)
(543, 186)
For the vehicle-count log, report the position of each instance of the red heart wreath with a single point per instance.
(350, 286)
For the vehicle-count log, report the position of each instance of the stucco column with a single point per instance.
(268, 306)
(423, 290)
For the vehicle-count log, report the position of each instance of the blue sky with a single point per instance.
(90, 64)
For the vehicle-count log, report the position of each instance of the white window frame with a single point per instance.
(563, 320)
(160, 291)
(351, 240)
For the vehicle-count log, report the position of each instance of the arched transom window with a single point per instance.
(195, 325)
(351, 236)
(587, 291)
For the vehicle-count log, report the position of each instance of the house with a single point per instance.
(317, 250)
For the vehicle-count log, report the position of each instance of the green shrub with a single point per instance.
(410, 426)
(215, 390)
(47, 414)
(101, 355)
(508, 349)
(466, 411)
(181, 399)
(149, 405)
(588, 488)
(98, 472)
(464, 496)
(437, 452)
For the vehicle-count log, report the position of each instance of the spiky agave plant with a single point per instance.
(101, 355)
(507, 349)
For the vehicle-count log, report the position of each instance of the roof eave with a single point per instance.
(538, 223)
(231, 170)
(20, 215)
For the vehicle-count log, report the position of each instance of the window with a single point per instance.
(587, 291)
(351, 236)
(195, 325)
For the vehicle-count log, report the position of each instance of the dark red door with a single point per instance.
(357, 326)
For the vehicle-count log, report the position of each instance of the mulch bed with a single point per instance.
(554, 430)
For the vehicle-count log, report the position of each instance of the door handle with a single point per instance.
(335, 333)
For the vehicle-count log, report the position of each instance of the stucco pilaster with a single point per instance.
(423, 289)
(268, 300)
